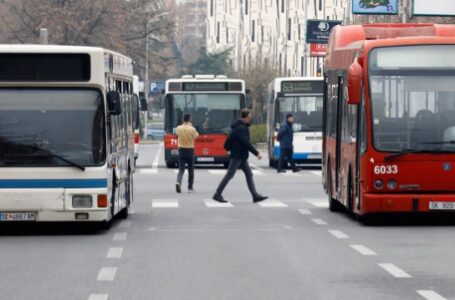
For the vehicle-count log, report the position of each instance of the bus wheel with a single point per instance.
(334, 205)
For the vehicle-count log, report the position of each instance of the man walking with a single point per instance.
(286, 139)
(240, 145)
(186, 135)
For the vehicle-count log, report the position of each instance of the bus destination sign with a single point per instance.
(310, 87)
(205, 86)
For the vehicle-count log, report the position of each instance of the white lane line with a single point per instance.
(165, 203)
(157, 158)
(212, 203)
(107, 274)
(258, 173)
(98, 297)
(148, 171)
(125, 224)
(272, 203)
(305, 211)
(217, 172)
(317, 173)
(320, 204)
(339, 234)
(319, 222)
(394, 270)
(119, 236)
(430, 295)
(363, 250)
(115, 252)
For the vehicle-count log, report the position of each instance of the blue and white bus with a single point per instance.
(301, 96)
(66, 134)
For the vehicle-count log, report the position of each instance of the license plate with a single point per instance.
(206, 159)
(314, 156)
(437, 205)
(17, 216)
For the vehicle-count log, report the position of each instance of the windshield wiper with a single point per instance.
(415, 151)
(440, 143)
(46, 153)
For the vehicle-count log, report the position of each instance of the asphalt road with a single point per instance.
(184, 246)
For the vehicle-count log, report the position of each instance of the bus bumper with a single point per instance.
(408, 203)
(301, 157)
(172, 158)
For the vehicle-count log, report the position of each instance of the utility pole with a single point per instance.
(404, 13)
(43, 36)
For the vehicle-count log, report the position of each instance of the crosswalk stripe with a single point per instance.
(272, 203)
(165, 203)
(363, 250)
(148, 171)
(98, 297)
(317, 173)
(320, 204)
(430, 295)
(212, 204)
(217, 172)
(395, 271)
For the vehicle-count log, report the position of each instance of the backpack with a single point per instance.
(228, 142)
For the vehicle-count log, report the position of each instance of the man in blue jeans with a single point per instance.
(240, 148)
(286, 139)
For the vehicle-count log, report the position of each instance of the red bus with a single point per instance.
(214, 102)
(389, 118)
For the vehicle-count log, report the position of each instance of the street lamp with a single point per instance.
(146, 80)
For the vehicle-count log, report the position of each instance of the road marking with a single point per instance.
(305, 211)
(319, 222)
(253, 166)
(320, 204)
(272, 203)
(165, 203)
(339, 234)
(125, 224)
(107, 274)
(157, 158)
(217, 172)
(115, 252)
(258, 173)
(363, 250)
(394, 271)
(291, 174)
(430, 295)
(317, 173)
(120, 236)
(148, 171)
(212, 203)
(98, 297)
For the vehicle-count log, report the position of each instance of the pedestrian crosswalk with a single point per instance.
(221, 172)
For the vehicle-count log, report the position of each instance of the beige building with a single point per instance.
(269, 31)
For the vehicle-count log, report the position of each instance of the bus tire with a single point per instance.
(334, 205)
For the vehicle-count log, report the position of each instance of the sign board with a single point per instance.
(309, 87)
(318, 50)
(157, 86)
(380, 7)
(433, 8)
(318, 31)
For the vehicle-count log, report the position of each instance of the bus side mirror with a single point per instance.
(143, 104)
(114, 103)
(354, 88)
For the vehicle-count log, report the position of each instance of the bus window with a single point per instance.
(307, 111)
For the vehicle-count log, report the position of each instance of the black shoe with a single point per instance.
(177, 188)
(259, 198)
(219, 198)
(281, 171)
(296, 170)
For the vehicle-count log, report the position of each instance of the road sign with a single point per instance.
(318, 50)
(318, 31)
(380, 7)
(433, 8)
(156, 87)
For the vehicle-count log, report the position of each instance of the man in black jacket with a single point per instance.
(240, 148)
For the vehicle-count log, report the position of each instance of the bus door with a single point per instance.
(339, 105)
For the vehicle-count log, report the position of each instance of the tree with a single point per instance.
(210, 63)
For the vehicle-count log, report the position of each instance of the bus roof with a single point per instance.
(345, 41)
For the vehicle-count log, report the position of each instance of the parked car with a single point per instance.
(155, 131)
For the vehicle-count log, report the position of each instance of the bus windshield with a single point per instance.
(307, 112)
(47, 127)
(210, 113)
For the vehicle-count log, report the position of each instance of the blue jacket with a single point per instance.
(286, 136)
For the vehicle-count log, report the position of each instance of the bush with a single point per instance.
(258, 133)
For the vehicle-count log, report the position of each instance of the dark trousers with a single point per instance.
(235, 164)
(186, 157)
(286, 155)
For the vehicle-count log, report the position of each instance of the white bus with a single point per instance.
(66, 134)
(214, 103)
(301, 96)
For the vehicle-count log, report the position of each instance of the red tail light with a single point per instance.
(170, 139)
(136, 138)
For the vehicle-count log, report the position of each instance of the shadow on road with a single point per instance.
(50, 228)
(440, 219)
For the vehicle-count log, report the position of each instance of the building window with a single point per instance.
(211, 8)
(218, 32)
(246, 7)
(282, 6)
(253, 31)
(320, 5)
(289, 28)
(262, 34)
(227, 35)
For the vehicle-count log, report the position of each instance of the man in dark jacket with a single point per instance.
(286, 139)
(240, 148)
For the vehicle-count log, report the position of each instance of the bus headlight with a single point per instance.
(392, 184)
(379, 184)
(82, 201)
